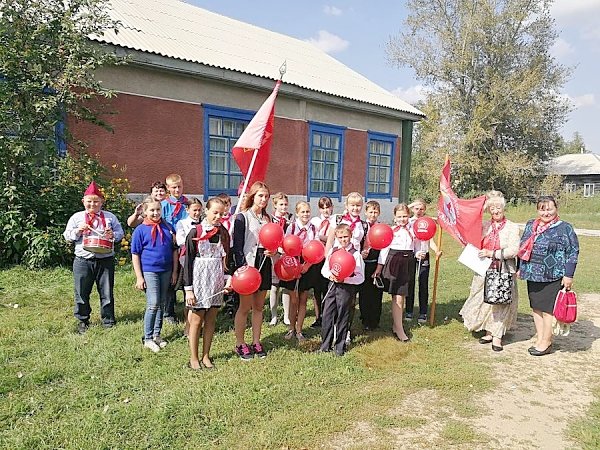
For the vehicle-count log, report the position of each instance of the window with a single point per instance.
(588, 189)
(570, 187)
(222, 128)
(380, 164)
(326, 151)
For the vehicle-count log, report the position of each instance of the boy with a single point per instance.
(418, 208)
(173, 210)
(340, 293)
(370, 295)
(90, 266)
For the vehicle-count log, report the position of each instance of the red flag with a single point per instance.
(461, 218)
(258, 135)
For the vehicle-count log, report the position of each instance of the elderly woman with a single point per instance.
(500, 242)
(549, 252)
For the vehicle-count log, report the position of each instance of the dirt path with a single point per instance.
(530, 408)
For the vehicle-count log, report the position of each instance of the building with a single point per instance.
(581, 172)
(194, 79)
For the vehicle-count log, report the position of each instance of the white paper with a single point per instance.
(470, 258)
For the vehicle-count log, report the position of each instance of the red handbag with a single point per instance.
(565, 306)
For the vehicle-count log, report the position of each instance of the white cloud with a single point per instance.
(580, 101)
(332, 10)
(412, 95)
(573, 9)
(328, 42)
(561, 48)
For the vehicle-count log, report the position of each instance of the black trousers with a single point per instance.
(369, 298)
(336, 312)
(423, 277)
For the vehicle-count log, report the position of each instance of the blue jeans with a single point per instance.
(86, 272)
(157, 284)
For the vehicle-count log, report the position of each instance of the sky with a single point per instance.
(355, 32)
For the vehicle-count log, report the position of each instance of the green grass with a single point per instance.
(102, 390)
(587, 431)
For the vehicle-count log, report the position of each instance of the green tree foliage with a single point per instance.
(46, 69)
(493, 101)
(575, 145)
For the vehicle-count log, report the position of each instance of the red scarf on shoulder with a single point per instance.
(178, 204)
(536, 230)
(156, 229)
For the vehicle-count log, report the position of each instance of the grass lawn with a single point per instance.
(103, 390)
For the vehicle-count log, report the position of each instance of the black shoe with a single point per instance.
(316, 323)
(108, 324)
(82, 327)
(536, 352)
(497, 348)
(485, 341)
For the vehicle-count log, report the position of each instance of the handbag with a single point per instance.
(498, 284)
(565, 306)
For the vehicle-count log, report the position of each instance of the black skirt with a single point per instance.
(264, 265)
(398, 269)
(542, 295)
(306, 282)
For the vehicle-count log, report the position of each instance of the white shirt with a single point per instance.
(359, 271)
(296, 227)
(182, 229)
(73, 234)
(357, 233)
(403, 240)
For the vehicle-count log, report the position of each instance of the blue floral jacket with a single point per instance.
(554, 254)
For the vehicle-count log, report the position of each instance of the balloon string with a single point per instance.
(263, 262)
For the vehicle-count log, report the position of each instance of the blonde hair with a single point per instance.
(302, 203)
(401, 207)
(343, 227)
(372, 204)
(279, 196)
(494, 198)
(418, 201)
(173, 178)
(148, 201)
(354, 196)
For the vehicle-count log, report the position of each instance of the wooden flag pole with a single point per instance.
(435, 279)
(246, 180)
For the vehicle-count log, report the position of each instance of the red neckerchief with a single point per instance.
(536, 230)
(491, 241)
(281, 220)
(225, 220)
(324, 226)
(156, 229)
(178, 204)
(353, 222)
(303, 231)
(92, 219)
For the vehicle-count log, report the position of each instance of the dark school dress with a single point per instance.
(397, 270)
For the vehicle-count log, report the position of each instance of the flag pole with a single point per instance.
(435, 279)
(436, 272)
(282, 71)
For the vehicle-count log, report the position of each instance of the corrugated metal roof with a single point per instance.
(576, 164)
(179, 30)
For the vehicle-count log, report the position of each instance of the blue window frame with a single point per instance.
(380, 164)
(222, 128)
(325, 160)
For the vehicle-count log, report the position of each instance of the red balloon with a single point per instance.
(380, 236)
(270, 236)
(246, 280)
(292, 245)
(424, 228)
(288, 268)
(342, 264)
(313, 252)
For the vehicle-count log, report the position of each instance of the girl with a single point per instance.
(184, 226)
(247, 250)
(321, 224)
(204, 279)
(154, 259)
(298, 289)
(283, 218)
(397, 264)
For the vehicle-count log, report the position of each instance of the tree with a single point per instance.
(493, 103)
(575, 145)
(47, 66)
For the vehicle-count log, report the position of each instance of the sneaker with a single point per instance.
(273, 321)
(243, 351)
(316, 323)
(422, 318)
(160, 341)
(408, 317)
(170, 320)
(82, 327)
(149, 343)
(259, 350)
(290, 334)
(300, 337)
(348, 338)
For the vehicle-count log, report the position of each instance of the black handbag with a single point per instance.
(497, 286)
